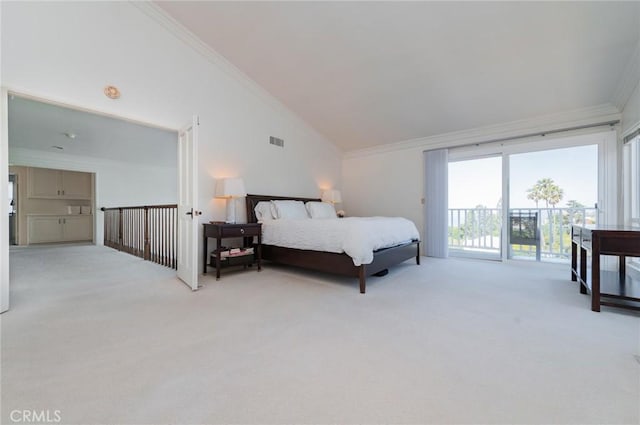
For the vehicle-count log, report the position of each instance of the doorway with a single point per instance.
(115, 151)
(475, 208)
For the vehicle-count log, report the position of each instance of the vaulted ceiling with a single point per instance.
(369, 73)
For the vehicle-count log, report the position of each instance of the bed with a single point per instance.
(332, 262)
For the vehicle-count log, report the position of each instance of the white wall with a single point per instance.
(631, 111)
(68, 51)
(118, 183)
(387, 184)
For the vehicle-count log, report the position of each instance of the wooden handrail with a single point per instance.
(139, 207)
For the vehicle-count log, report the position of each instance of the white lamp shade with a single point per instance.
(230, 188)
(332, 195)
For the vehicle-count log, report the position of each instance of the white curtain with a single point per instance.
(436, 178)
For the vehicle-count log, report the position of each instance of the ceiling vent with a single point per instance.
(276, 141)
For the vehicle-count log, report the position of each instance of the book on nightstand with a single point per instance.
(236, 252)
(234, 257)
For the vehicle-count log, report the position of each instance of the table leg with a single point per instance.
(574, 260)
(622, 267)
(205, 242)
(583, 270)
(218, 265)
(595, 274)
(259, 252)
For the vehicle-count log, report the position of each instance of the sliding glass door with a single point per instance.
(547, 194)
(519, 201)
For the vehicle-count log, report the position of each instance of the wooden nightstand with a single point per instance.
(222, 230)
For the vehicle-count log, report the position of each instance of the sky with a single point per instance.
(478, 182)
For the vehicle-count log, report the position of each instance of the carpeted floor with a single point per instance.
(104, 337)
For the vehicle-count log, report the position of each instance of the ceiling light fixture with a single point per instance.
(58, 147)
(112, 92)
(70, 135)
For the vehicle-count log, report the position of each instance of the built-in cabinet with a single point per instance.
(62, 228)
(54, 205)
(46, 183)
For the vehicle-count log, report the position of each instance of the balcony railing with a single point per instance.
(148, 232)
(479, 230)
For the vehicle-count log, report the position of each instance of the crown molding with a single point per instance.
(629, 79)
(181, 32)
(547, 123)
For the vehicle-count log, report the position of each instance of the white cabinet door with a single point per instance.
(77, 228)
(44, 229)
(75, 185)
(49, 229)
(43, 183)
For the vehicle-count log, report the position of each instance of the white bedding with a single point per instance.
(358, 237)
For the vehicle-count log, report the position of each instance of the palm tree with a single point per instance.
(534, 194)
(547, 190)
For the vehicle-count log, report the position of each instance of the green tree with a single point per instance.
(575, 211)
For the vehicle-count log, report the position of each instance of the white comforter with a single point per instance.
(358, 237)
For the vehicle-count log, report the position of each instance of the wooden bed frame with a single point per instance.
(331, 262)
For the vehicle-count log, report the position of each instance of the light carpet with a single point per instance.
(104, 337)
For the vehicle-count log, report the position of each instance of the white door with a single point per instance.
(188, 213)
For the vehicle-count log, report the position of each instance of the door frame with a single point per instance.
(4, 195)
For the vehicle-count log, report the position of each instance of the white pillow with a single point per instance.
(290, 210)
(264, 211)
(321, 210)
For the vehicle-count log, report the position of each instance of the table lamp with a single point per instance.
(229, 189)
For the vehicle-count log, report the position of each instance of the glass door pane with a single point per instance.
(475, 207)
(546, 196)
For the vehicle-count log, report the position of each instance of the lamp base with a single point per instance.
(231, 211)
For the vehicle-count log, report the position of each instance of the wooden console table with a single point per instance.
(613, 289)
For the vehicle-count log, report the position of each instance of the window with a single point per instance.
(632, 180)
(632, 186)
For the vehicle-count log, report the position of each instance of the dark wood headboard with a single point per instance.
(252, 201)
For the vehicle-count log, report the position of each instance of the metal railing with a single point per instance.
(475, 228)
(480, 230)
(148, 232)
